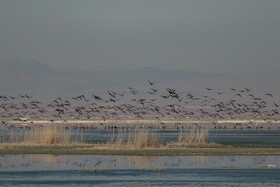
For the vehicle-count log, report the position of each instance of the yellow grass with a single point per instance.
(48, 135)
(194, 137)
(41, 135)
(139, 139)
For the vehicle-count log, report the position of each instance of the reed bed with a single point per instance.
(194, 138)
(48, 135)
(39, 135)
(139, 139)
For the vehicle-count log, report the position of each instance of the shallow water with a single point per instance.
(143, 178)
(112, 170)
(72, 170)
(240, 137)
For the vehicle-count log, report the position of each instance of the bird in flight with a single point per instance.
(151, 83)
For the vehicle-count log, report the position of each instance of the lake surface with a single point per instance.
(110, 170)
(238, 137)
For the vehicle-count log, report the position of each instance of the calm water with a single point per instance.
(77, 170)
(74, 170)
(239, 137)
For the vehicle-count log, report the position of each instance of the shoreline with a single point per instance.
(10, 148)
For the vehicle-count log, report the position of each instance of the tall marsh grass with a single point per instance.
(194, 137)
(138, 140)
(39, 135)
(48, 135)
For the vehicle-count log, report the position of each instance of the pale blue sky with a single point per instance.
(222, 36)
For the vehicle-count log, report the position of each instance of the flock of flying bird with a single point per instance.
(148, 103)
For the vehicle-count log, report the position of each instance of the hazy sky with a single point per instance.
(235, 36)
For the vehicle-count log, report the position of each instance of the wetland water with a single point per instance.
(116, 170)
(240, 137)
(110, 170)
(235, 137)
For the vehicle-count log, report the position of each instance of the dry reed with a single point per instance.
(48, 135)
(193, 137)
(40, 135)
(140, 139)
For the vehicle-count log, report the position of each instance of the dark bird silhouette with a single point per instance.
(97, 97)
(112, 94)
(248, 90)
(154, 90)
(238, 95)
(151, 83)
(132, 90)
(209, 89)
